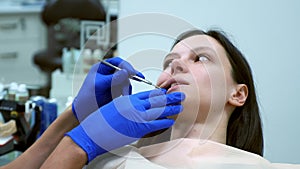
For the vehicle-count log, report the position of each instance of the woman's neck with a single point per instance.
(209, 130)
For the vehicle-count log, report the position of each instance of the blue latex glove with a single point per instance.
(101, 85)
(125, 120)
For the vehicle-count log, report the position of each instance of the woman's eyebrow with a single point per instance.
(172, 55)
(195, 50)
(202, 48)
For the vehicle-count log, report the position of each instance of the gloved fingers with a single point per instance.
(119, 78)
(116, 79)
(156, 101)
(120, 84)
(117, 61)
(174, 98)
(161, 112)
(95, 67)
(126, 65)
(105, 69)
(156, 125)
(115, 91)
(163, 100)
(143, 97)
(139, 74)
(150, 93)
(126, 90)
(113, 85)
(131, 71)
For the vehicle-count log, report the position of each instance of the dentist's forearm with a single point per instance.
(35, 156)
(67, 155)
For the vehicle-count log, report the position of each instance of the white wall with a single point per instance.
(267, 32)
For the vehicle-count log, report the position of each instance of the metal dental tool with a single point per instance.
(136, 78)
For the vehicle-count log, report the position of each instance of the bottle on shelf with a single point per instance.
(22, 94)
(97, 55)
(66, 59)
(87, 60)
(12, 91)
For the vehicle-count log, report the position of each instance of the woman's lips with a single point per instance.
(173, 84)
(173, 88)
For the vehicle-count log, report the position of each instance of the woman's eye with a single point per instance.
(202, 58)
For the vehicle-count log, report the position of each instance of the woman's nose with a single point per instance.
(178, 66)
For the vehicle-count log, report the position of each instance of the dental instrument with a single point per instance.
(136, 78)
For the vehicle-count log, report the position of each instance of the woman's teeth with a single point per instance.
(173, 84)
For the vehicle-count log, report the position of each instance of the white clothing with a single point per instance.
(184, 154)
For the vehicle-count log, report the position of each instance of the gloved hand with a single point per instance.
(101, 85)
(125, 120)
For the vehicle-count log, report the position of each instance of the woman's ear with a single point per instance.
(239, 95)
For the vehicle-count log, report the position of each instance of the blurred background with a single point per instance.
(44, 43)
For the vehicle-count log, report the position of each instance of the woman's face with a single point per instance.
(198, 66)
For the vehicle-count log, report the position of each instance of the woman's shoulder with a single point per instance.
(195, 152)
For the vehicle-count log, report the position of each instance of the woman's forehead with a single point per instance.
(197, 41)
